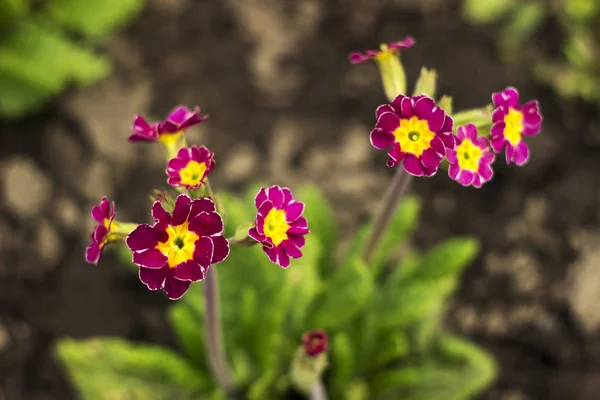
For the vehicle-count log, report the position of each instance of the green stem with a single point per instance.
(391, 198)
(478, 116)
(215, 347)
(392, 73)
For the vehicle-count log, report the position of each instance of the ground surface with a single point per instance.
(286, 106)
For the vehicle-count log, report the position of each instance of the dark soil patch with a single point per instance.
(201, 55)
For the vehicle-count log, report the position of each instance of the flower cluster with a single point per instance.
(419, 134)
(183, 243)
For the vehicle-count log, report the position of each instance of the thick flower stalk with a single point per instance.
(169, 132)
(279, 225)
(179, 248)
(418, 132)
(190, 167)
(390, 66)
(511, 123)
(470, 162)
(106, 231)
(309, 363)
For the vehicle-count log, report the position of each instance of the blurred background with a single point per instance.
(286, 107)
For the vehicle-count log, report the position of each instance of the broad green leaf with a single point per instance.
(189, 329)
(344, 296)
(448, 258)
(391, 346)
(93, 18)
(112, 368)
(242, 367)
(10, 12)
(260, 388)
(357, 390)
(40, 62)
(322, 222)
(414, 302)
(343, 364)
(406, 268)
(482, 12)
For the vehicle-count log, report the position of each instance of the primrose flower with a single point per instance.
(470, 162)
(279, 225)
(169, 130)
(386, 49)
(315, 343)
(511, 123)
(180, 247)
(104, 214)
(418, 132)
(190, 167)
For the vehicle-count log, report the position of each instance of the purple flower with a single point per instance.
(190, 167)
(279, 226)
(177, 122)
(385, 49)
(470, 163)
(180, 247)
(315, 343)
(418, 132)
(104, 214)
(511, 123)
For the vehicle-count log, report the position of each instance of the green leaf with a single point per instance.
(322, 222)
(448, 258)
(10, 12)
(112, 368)
(236, 212)
(357, 390)
(401, 226)
(189, 329)
(93, 18)
(391, 346)
(526, 18)
(346, 293)
(38, 62)
(343, 364)
(483, 12)
(462, 373)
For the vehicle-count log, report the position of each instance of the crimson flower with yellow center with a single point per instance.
(190, 167)
(511, 123)
(279, 225)
(385, 50)
(180, 247)
(168, 131)
(418, 132)
(104, 215)
(470, 162)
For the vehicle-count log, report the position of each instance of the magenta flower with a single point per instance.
(315, 343)
(279, 226)
(104, 214)
(179, 248)
(511, 123)
(470, 162)
(178, 120)
(385, 49)
(190, 167)
(418, 132)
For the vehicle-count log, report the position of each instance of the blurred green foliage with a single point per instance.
(383, 321)
(47, 46)
(577, 72)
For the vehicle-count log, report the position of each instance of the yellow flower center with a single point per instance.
(180, 245)
(170, 139)
(275, 226)
(468, 155)
(414, 136)
(385, 54)
(193, 173)
(514, 126)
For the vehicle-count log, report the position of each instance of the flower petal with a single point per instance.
(203, 251)
(271, 252)
(206, 224)
(159, 214)
(265, 208)
(451, 156)
(413, 166)
(189, 270)
(397, 103)
(424, 107)
(221, 249)
(275, 195)
(454, 171)
(521, 154)
(253, 233)
(174, 288)
(143, 237)
(388, 122)
(466, 177)
(93, 253)
(204, 204)
(154, 279)
(498, 143)
(498, 129)
(383, 109)
(181, 210)
(293, 211)
(260, 197)
(282, 257)
(430, 158)
(291, 249)
(381, 139)
(485, 172)
(298, 240)
(299, 227)
(151, 258)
